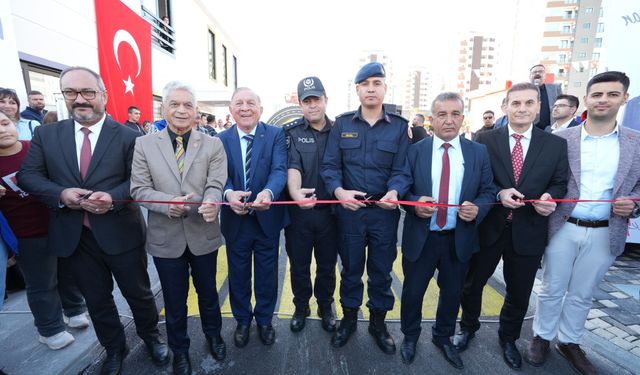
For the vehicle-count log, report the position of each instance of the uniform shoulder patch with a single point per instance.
(293, 124)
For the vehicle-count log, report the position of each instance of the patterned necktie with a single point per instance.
(443, 195)
(517, 160)
(247, 162)
(180, 154)
(85, 153)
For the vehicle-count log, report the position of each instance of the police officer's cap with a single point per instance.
(310, 86)
(372, 69)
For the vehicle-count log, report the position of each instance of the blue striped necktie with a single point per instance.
(247, 162)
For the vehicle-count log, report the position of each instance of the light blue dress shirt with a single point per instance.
(456, 173)
(599, 158)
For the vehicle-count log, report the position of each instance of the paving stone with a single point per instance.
(607, 303)
(635, 328)
(619, 295)
(596, 313)
(616, 279)
(631, 339)
(604, 333)
(599, 323)
(626, 345)
(607, 287)
(623, 317)
(636, 351)
(629, 304)
(601, 294)
(618, 332)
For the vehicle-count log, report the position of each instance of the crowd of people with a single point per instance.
(205, 183)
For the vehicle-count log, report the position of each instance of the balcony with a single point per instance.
(161, 35)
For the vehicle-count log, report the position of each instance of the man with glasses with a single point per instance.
(548, 94)
(82, 175)
(487, 118)
(564, 111)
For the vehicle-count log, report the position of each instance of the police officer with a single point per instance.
(365, 160)
(313, 226)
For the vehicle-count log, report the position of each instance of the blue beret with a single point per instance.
(372, 69)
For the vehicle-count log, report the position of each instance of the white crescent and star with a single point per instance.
(123, 36)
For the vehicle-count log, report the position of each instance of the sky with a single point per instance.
(280, 42)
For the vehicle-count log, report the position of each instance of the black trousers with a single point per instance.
(519, 274)
(438, 253)
(174, 277)
(94, 271)
(313, 231)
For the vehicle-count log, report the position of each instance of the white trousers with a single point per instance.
(575, 262)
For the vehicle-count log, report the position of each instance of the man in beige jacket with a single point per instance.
(181, 165)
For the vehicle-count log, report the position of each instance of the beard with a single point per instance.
(87, 118)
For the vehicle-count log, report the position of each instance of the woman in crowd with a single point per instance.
(48, 291)
(10, 106)
(50, 117)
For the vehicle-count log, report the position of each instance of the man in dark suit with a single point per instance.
(418, 132)
(133, 121)
(448, 169)
(548, 94)
(564, 113)
(80, 168)
(527, 163)
(257, 166)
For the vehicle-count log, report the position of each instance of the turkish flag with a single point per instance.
(124, 53)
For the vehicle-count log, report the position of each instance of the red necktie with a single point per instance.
(517, 160)
(443, 195)
(85, 159)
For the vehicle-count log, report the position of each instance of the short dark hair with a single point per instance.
(523, 86)
(573, 100)
(101, 85)
(488, 111)
(34, 92)
(11, 94)
(611, 76)
(211, 118)
(132, 108)
(537, 65)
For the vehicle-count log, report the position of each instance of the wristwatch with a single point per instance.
(636, 210)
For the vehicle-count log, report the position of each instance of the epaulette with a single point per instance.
(293, 124)
(398, 116)
(350, 113)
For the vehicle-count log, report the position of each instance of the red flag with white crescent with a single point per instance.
(124, 53)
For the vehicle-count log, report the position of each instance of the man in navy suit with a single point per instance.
(257, 168)
(447, 169)
(80, 168)
(564, 113)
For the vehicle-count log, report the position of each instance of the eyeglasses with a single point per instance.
(73, 94)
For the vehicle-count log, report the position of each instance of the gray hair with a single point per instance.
(239, 89)
(446, 96)
(101, 85)
(177, 85)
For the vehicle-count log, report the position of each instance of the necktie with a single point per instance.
(247, 162)
(443, 195)
(85, 160)
(517, 160)
(180, 154)
(85, 153)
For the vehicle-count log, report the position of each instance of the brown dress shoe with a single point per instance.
(577, 358)
(536, 353)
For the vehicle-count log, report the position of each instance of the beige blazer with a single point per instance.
(627, 183)
(155, 176)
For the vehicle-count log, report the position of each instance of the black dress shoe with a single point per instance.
(511, 354)
(158, 350)
(113, 363)
(408, 351)
(267, 334)
(378, 329)
(181, 364)
(217, 347)
(462, 339)
(299, 319)
(347, 327)
(327, 318)
(450, 353)
(241, 336)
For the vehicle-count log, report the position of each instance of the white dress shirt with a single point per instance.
(599, 157)
(456, 173)
(555, 127)
(93, 136)
(524, 141)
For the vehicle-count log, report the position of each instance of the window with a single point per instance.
(600, 27)
(564, 44)
(224, 65)
(568, 14)
(566, 29)
(44, 79)
(584, 40)
(588, 10)
(598, 43)
(586, 25)
(212, 55)
(582, 55)
(562, 57)
(595, 56)
(235, 72)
